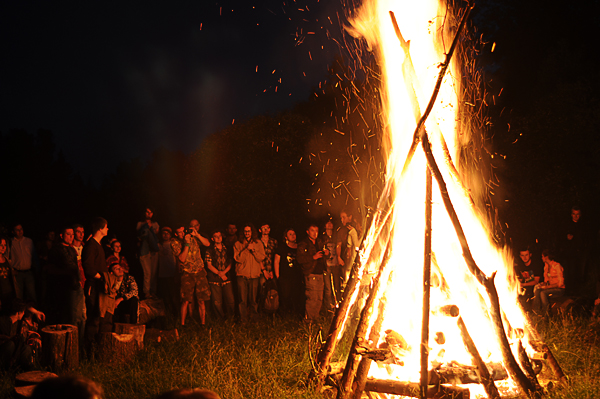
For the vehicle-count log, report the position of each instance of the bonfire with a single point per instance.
(438, 314)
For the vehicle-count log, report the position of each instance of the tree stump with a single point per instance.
(32, 377)
(138, 331)
(116, 348)
(25, 383)
(60, 347)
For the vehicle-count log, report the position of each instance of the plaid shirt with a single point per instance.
(270, 250)
(219, 259)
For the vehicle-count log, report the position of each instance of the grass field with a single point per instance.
(270, 359)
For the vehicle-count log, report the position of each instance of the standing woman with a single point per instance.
(116, 257)
(289, 275)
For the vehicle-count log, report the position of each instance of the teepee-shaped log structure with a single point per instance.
(519, 349)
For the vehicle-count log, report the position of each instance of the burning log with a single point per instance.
(412, 389)
(448, 310)
(526, 364)
(509, 359)
(460, 374)
(426, 290)
(484, 374)
(359, 337)
(550, 360)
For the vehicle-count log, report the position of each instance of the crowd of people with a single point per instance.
(83, 279)
(566, 267)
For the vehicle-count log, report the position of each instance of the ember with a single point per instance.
(442, 307)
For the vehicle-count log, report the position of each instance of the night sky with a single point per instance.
(116, 80)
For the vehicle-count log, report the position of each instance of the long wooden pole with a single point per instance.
(426, 289)
(513, 368)
(345, 386)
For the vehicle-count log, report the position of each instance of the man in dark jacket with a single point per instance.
(311, 252)
(94, 264)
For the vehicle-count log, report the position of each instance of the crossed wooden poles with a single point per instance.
(354, 377)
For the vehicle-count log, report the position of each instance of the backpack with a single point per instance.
(271, 296)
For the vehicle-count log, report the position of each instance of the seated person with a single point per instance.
(553, 285)
(530, 273)
(127, 299)
(19, 340)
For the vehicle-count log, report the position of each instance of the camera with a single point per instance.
(188, 231)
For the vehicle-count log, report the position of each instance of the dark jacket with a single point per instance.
(306, 251)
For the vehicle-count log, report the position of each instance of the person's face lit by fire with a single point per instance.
(291, 236)
(195, 225)
(18, 230)
(329, 225)
(217, 237)
(345, 218)
(3, 246)
(149, 214)
(79, 233)
(575, 215)
(166, 235)
(117, 270)
(248, 233)
(180, 233)
(525, 257)
(313, 232)
(231, 229)
(265, 229)
(116, 246)
(104, 230)
(67, 237)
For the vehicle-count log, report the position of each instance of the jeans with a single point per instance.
(25, 288)
(127, 307)
(78, 316)
(150, 267)
(222, 294)
(314, 296)
(540, 300)
(248, 290)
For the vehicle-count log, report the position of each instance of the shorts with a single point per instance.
(194, 283)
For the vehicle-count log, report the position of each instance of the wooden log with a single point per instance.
(25, 391)
(510, 362)
(526, 364)
(116, 348)
(60, 347)
(484, 374)
(424, 355)
(461, 374)
(352, 363)
(412, 389)
(32, 377)
(138, 331)
(550, 360)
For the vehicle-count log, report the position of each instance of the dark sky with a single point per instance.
(116, 80)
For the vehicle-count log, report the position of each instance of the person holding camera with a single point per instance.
(191, 268)
(312, 253)
(249, 253)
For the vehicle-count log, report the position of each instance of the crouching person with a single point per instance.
(127, 300)
(553, 285)
(19, 340)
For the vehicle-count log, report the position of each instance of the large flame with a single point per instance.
(407, 86)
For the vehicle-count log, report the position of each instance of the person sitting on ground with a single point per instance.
(529, 272)
(553, 285)
(127, 300)
(19, 340)
(67, 387)
(117, 257)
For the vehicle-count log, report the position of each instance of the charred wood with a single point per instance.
(412, 389)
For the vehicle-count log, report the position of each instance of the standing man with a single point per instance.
(94, 266)
(148, 243)
(270, 247)
(218, 263)
(191, 268)
(22, 257)
(78, 245)
(311, 252)
(347, 245)
(333, 274)
(249, 254)
(167, 272)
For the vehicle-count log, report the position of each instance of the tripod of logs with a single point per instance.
(351, 377)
